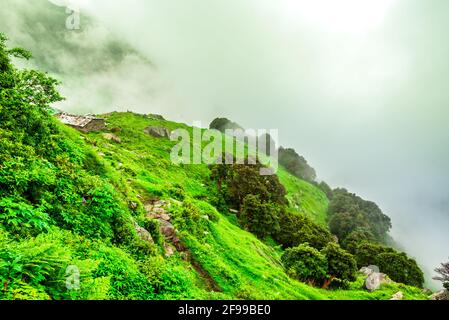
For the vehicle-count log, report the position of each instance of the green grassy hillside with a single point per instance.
(233, 263)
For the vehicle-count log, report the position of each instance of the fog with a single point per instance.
(360, 88)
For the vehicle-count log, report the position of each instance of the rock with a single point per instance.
(158, 132)
(143, 233)
(112, 137)
(372, 283)
(169, 250)
(167, 229)
(156, 210)
(165, 217)
(398, 296)
(369, 270)
(440, 295)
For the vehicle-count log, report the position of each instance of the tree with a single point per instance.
(296, 165)
(396, 265)
(401, 268)
(349, 212)
(344, 223)
(341, 265)
(366, 253)
(261, 219)
(356, 237)
(296, 229)
(326, 189)
(443, 272)
(243, 180)
(223, 124)
(305, 264)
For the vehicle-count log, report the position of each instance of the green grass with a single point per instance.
(305, 198)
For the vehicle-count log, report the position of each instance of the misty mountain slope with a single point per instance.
(239, 264)
(218, 259)
(109, 215)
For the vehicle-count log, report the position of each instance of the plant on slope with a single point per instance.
(296, 229)
(305, 264)
(341, 265)
(261, 219)
(396, 265)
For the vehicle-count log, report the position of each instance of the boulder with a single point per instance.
(169, 250)
(167, 229)
(112, 137)
(156, 210)
(398, 296)
(143, 234)
(158, 132)
(369, 270)
(440, 295)
(373, 282)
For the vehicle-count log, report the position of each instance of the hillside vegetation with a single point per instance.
(112, 207)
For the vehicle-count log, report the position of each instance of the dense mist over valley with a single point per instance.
(360, 90)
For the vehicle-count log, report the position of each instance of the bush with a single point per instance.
(296, 229)
(356, 237)
(261, 219)
(340, 264)
(348, 212)
(401, 268)
(396, 265)
(366, 253)
(305, 264)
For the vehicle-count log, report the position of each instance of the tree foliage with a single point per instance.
(296, 165)
(297, 229)
(443, 276)
(306, 264)
(341, 264)
(260, 218)
(396, 265)
(223, 124)
(349, 213)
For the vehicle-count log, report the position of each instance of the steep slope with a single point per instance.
(239, 264)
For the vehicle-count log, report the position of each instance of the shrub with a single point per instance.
(396, 265)
(305, 264)
(348, 212)
(356, 237)
(340, 264)
(401, 268)
(296, 229)
(22, 219)
(262, 219)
